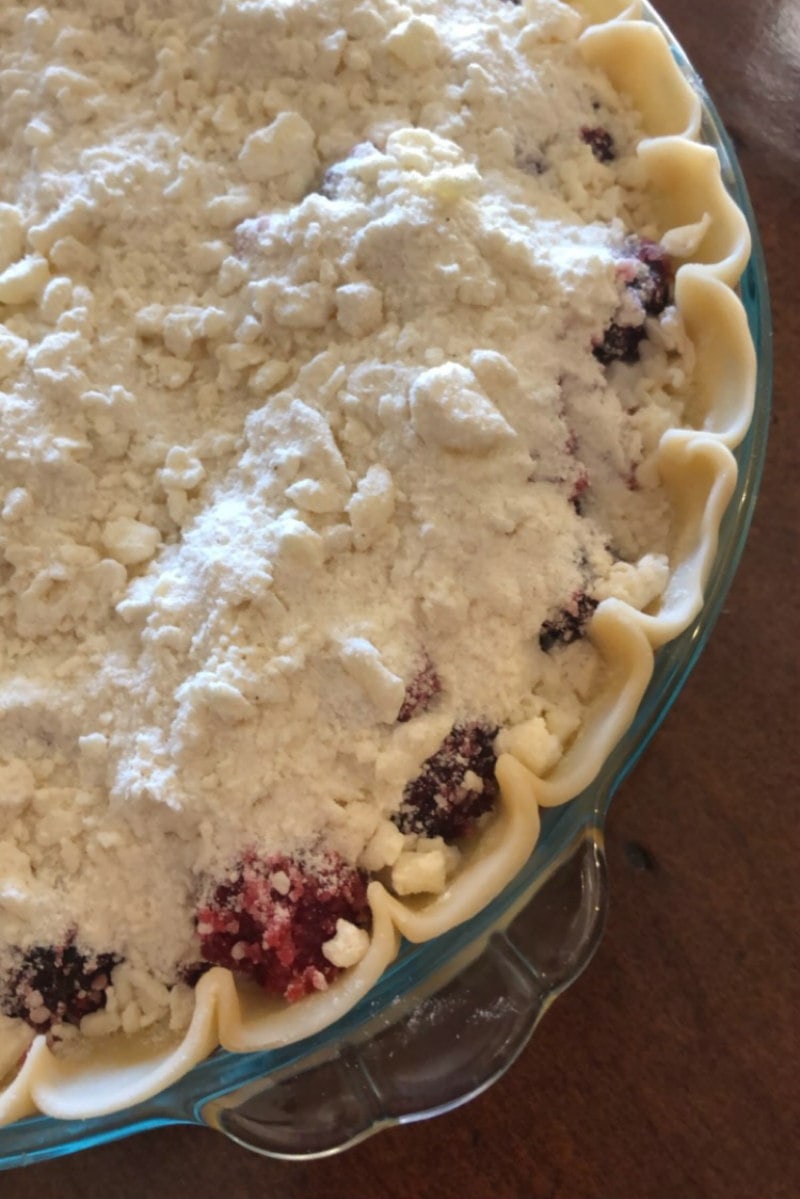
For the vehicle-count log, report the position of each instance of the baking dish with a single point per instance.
(490, 978)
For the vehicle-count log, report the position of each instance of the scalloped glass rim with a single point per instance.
(40, 1137)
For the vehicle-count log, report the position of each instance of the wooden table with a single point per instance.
(671, 1068)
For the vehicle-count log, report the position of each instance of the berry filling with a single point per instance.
(647, 274)
(620, 344)
(651, 277)
(456, 785)
(271, 920)
(569, 624)
(57, 984)
(421, 691)
(601, 143)
(577, 495)
(581, 482)
(529, 162)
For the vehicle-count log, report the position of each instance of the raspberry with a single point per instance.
(569, 624)
(57, 984)
(441, 801)
(421, 691)
(270, 921)
(601, 143)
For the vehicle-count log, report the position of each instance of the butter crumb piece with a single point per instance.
(635, 583)
(99, 1024)
(24, 281)
(533, 744)
(130, 541)
(182, 470)
(383, 848)
(348, 946)
(17, 505)
(268, 376)
(415, 42)
(284, 152)
(12, 235)
(362, 662)
(414, 873)
(371, 507)
(449, 410)
(359, 308)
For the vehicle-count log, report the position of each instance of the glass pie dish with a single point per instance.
(486, 982)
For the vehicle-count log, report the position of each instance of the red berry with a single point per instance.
(421, 691)
(270, 921)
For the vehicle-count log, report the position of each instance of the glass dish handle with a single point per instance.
(425, 1054)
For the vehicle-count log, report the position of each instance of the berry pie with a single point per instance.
(365, 372)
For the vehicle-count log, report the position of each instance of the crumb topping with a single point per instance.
(335, 349)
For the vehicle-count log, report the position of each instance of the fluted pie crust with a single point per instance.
(699, 471)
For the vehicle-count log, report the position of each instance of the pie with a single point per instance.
(370, 375)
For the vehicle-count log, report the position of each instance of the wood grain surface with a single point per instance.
(671, 1069)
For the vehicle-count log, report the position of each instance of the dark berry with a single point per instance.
(646, 271)
(421, 691)
(441, 801)
(601, 143)
(335, 174)
(270, 921)
(577, 495)
(530, 163)
(569, 624)
(620, 344)
(193, 972)
(652, 279)
(331, 181)
(58, 985)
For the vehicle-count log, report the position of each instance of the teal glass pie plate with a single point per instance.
(450, 1016)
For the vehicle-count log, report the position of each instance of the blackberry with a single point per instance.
(58, 984)
(652, 281)
(569, 624)
(601, 143)
(647, 273)
(441, 801)
(620, 344)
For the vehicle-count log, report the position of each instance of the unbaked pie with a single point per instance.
(369, 379)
